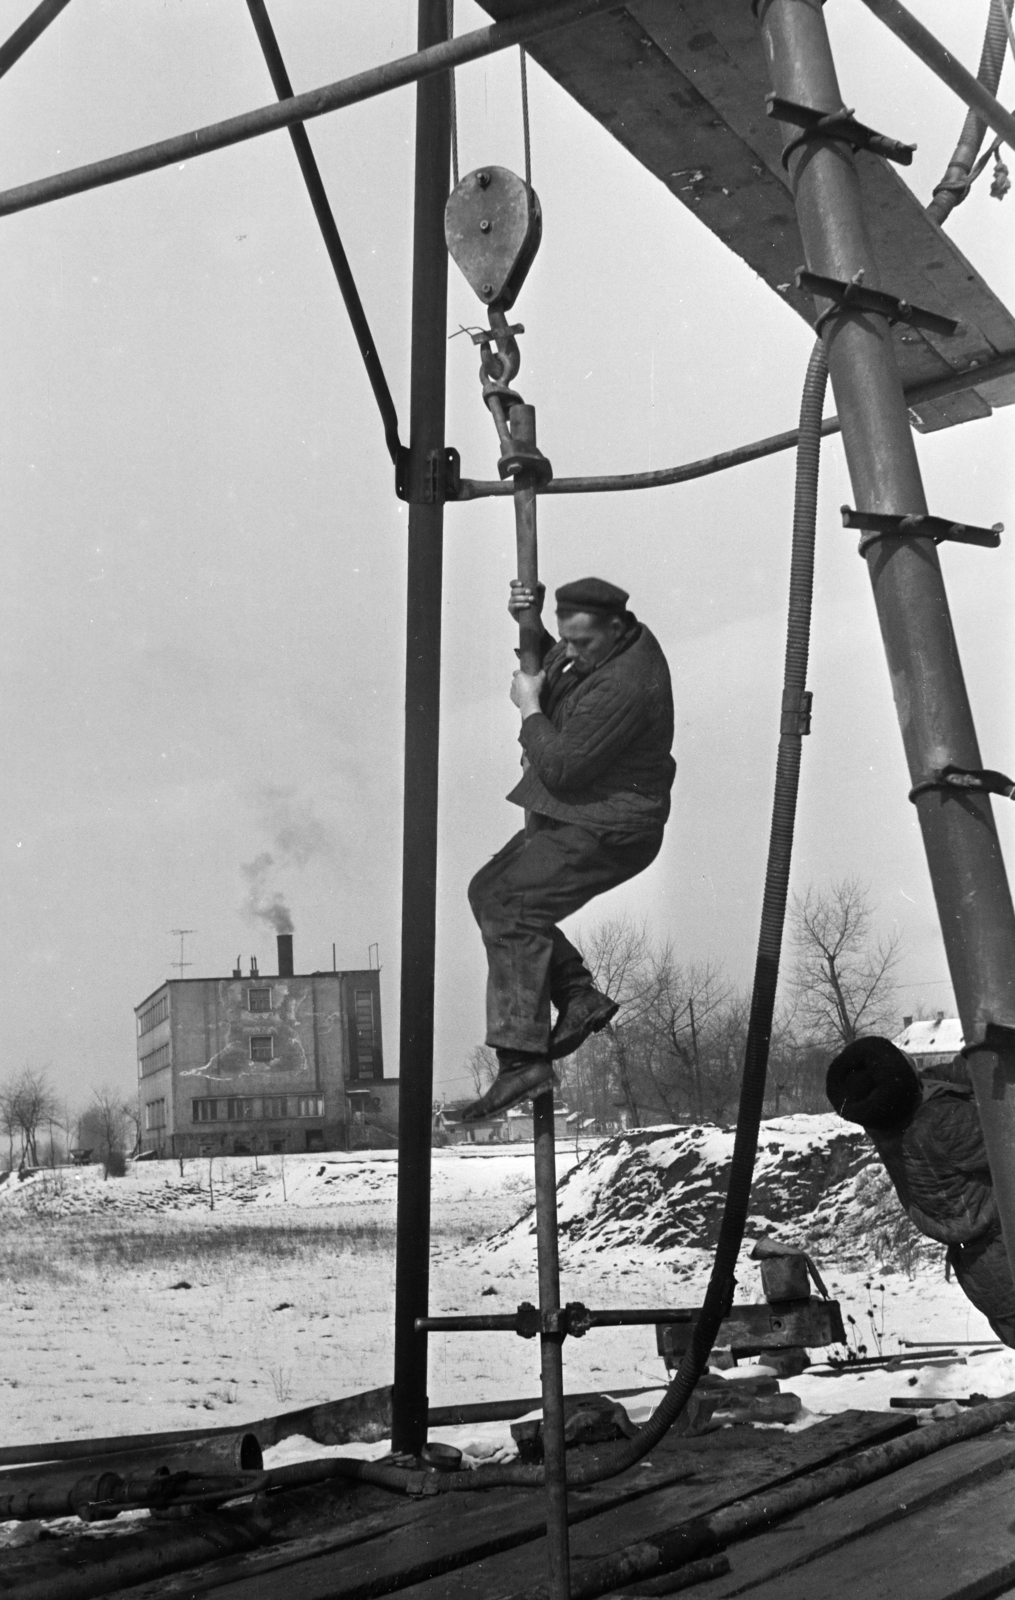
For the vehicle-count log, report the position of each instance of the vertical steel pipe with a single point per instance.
(963, 853)
(530, 625)
(551, 1364)
(422, 726)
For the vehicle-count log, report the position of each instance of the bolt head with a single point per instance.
(483, 179)
(487, 290)
(485, 225)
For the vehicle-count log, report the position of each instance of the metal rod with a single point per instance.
(616, 483)
(530, 626)
(24, 36)
(422, 727)
(437, 58)
(329, 229)
(966, 867)
(941, 61)
(551, 1365)
(508, 1322)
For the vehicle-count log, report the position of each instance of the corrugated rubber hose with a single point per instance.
(719, 1294)
(954, 186)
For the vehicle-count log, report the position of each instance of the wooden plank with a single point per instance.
(456, 1530)
(730, 1470)
(681, 84)
(838, 1524)
(960, 1548)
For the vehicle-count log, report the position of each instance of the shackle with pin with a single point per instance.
(493, 225)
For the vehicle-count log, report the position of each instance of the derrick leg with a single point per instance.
(967, 872)
(550, 1350)
(422, 723)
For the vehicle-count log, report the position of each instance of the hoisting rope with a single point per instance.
(525, 115)
(719, 1294)
(454, 102)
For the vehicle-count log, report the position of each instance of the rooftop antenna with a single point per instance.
(181, 934)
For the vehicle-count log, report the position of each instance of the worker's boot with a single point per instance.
(520, 1076)
(582, 1015)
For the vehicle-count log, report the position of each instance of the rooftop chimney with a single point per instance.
(285, 955)
(907, 1022)
(253, 967)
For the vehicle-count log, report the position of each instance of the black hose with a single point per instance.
(954, 186)
(719, 1294)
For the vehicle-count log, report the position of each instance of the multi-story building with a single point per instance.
(240, 1065)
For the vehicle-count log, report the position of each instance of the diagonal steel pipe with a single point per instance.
(302, 107)
(23, 37)
(960, 838)
(941, 62)
(329, 228)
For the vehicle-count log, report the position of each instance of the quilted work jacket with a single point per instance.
(599, 749)
(938, 1166)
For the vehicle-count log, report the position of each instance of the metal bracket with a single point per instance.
(574, 1319)
(442, 475)
(855, 297)
(841, 124)
(796, 713)
(966, 780)
(882, 525)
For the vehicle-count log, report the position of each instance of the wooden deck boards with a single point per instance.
(502, 1530)
(681, 84)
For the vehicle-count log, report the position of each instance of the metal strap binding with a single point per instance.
(883, 524)
(854, 296)
(841, 124)
(966, 780)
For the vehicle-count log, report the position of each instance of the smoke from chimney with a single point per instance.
(285, 955)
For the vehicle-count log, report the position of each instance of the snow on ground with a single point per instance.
(132, 1306)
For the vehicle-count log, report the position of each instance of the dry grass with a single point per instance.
(68, 1249)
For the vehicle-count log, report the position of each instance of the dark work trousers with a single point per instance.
(544, 873)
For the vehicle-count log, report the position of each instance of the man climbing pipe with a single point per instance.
(596, 734)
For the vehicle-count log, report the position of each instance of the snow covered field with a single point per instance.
(131, 1305)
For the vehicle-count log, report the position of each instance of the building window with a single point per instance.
(363, 1000)
(261, 1047)
(154, 1115)
(275, 1105)
(241, 1110)
(153, 1061)
(205, 1110)
(152, 1015)
(258, 999)
(310, 1105)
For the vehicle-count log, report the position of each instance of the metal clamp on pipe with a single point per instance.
(887, 525)
(853, 296)
(966, 780)
(841, 124)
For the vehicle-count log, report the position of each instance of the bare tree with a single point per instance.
(26, 1104)
(105, 1125)
(482, 1067)
(842, 973)
(619, 956)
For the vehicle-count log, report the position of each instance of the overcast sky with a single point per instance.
(203, 601)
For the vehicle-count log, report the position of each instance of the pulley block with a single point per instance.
(493, 225)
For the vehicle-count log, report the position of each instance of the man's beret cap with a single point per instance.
(591, 594)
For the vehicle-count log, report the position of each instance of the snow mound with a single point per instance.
(817, 1184)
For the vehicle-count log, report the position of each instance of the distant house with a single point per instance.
(930, 1041)
(506, 1127)
(261, 1063)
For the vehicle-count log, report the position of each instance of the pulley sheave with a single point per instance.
(493, 225)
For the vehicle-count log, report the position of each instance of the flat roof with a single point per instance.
(259, 977)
